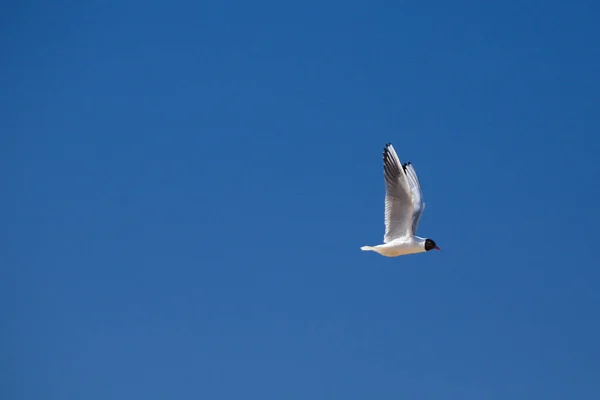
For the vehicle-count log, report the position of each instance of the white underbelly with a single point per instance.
(398, 249)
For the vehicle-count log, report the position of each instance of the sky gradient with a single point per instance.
(187, 187)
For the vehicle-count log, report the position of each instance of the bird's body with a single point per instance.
(403, 208)
(399, 247)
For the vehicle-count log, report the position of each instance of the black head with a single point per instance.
(430, 245)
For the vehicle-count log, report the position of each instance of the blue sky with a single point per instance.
(187, 187)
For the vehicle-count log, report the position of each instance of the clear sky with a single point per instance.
(187, 187)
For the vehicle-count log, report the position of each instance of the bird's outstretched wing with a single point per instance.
(399, 203)
(417, 195)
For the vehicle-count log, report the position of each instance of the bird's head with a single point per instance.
(430, 245)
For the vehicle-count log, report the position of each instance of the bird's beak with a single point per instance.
(437, 248)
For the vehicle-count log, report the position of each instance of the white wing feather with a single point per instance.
(417, 195)
(399, 202)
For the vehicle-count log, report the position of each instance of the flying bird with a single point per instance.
(403, 208)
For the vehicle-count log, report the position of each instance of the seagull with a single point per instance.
(403, 208)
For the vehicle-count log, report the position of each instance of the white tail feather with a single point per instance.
(367, 248)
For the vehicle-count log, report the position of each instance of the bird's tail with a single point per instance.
(367, 248)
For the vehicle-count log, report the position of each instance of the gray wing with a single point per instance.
(398, 198)
(417, 195)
